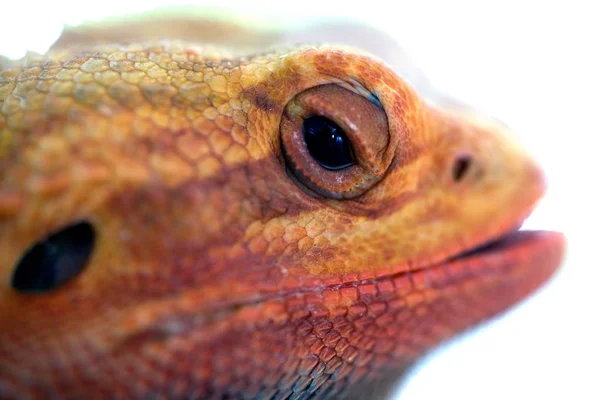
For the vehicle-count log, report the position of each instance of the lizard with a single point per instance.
(179, 220)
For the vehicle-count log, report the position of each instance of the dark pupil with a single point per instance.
(327, 143)
(54, 260)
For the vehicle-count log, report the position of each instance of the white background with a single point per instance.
(535, 66)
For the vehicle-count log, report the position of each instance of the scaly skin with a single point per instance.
(215, 273)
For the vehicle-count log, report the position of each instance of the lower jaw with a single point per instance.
(492, 277)
(518, 258)
(440, 300)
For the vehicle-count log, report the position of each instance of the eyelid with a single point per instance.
(355, 86)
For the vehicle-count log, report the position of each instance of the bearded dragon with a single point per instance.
(180, 220)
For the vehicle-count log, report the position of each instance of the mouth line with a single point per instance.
(504, 250)
(514, 240)
(509, 240)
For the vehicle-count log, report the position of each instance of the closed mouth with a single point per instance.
(512, 240)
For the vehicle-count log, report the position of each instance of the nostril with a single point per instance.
(461, 166)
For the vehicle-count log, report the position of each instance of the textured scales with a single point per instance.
(214, 274)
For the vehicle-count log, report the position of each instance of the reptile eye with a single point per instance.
(327, 143)
(334, 141)
(54, 260)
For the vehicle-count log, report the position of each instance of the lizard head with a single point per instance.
(178, 221)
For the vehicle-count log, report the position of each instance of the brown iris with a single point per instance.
(334, 140)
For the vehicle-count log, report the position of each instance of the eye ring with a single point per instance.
(361, 121)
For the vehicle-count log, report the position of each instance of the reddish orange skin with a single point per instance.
(215, 275)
